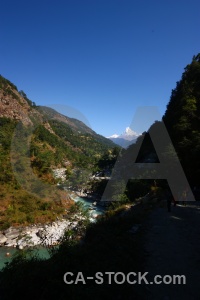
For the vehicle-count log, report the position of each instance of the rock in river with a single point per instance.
(3, 239)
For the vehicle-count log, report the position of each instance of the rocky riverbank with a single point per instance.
(45, 234)
(37, 234)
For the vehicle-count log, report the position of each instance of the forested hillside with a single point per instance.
(182, 119)
(55, 141)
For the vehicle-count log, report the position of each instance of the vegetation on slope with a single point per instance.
(182, 119)
(53, 144)
(17, 206)
(110, 245)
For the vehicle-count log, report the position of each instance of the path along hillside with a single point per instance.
(172, 246)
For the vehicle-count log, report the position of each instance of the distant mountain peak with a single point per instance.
(129, 130)
(129, 134)
(125, 139)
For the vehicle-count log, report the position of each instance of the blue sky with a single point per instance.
(99, 58)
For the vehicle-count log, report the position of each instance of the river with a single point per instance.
(94, 211)
(90, 204)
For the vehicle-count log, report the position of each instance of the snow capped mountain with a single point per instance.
(125, 139)
(129, 134)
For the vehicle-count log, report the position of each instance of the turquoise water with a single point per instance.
(43, 252)
(88, 204)
(3, 257)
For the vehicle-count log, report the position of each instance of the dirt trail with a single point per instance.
(172, 245)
